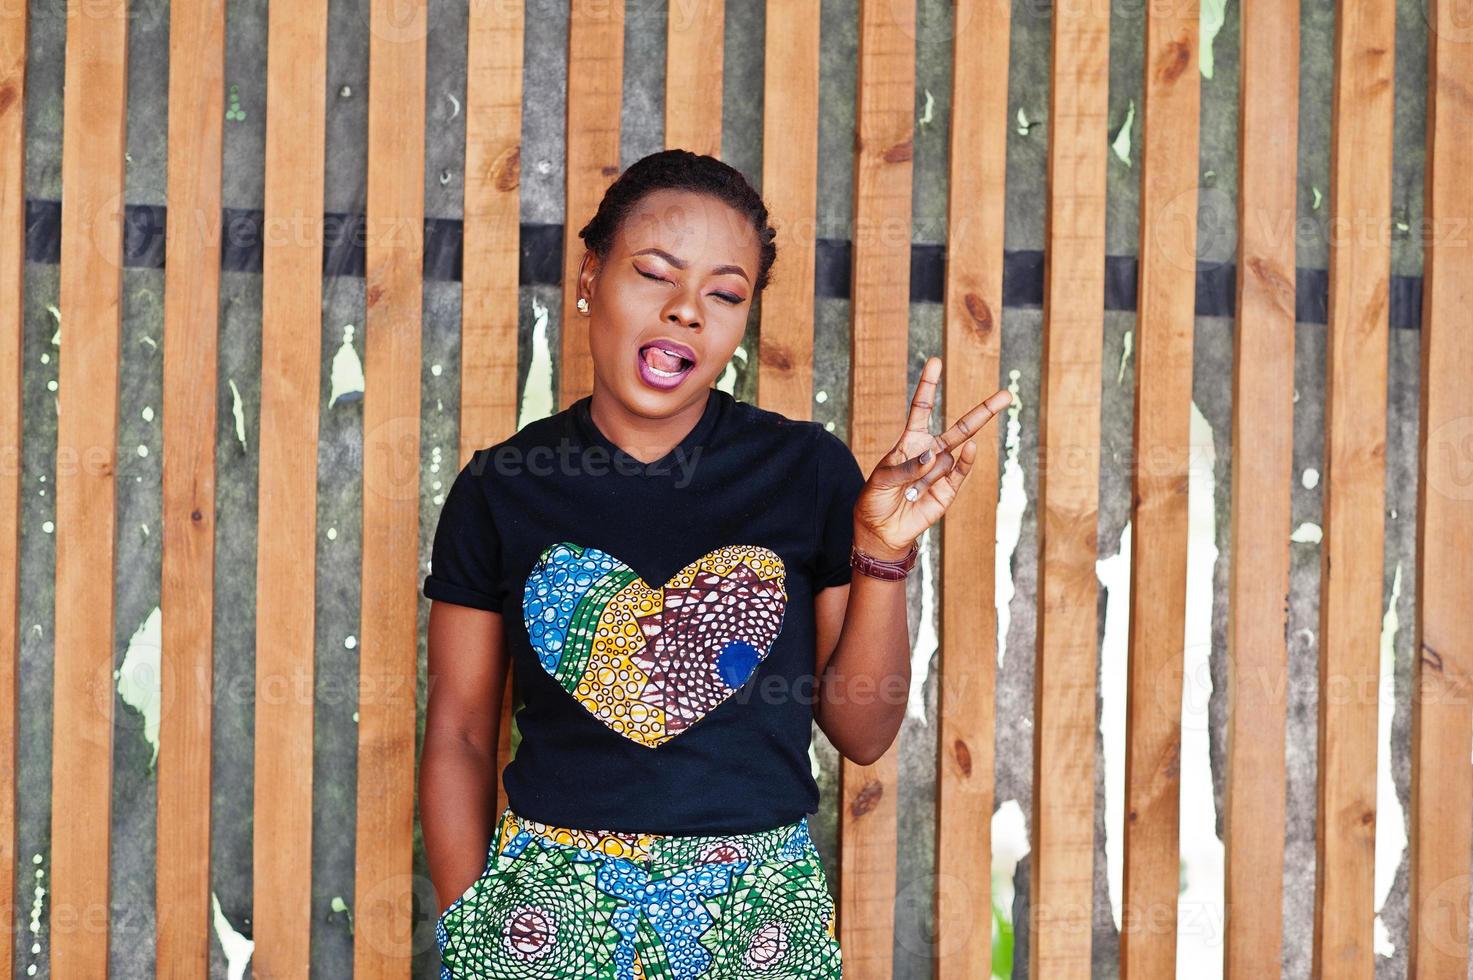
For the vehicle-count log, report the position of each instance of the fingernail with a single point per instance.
(925, 457)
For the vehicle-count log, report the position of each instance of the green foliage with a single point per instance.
(1002, 943)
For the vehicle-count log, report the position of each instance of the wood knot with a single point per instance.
(963, 756)
(774, 355)
(899, 153)
(1174, 61)
(867, 798)
(507, 173)
(980, 314)
(1279, 287)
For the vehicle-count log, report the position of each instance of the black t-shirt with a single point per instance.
(659, 616)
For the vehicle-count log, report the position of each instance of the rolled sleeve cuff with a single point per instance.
(442, 591)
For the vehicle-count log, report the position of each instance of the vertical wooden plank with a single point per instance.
(12, 303)
(693, 62)
(93, 141)
(493, 165)
(595, 90)
(388, 660)
(790, 187)
(1067, 655)
(291, 355)
(973, 348)
(1442, 725)
(490, 299)
(1262, 450)
(878, 400)
(1158, 564)
(1354, 481)
(187, 595)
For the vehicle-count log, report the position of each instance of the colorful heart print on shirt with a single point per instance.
(649, 662)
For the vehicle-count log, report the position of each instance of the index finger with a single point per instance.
(971, 423)
(919, 418)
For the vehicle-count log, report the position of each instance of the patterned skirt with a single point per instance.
(559, 903)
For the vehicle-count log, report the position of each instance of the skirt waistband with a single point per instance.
(788, 842)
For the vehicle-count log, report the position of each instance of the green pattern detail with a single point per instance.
(775, 911)
(700, 907)
(579, 644)
(560, 900)
(652, 959)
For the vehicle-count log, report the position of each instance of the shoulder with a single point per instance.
(828, 445)
(832, 466)
(753, 419)
(546, 432)
(829, 453)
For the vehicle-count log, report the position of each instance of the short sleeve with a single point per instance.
(838, 482)
(465, 561)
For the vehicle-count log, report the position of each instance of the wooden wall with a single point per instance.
(871, 819)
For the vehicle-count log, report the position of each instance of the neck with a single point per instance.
(642, 437)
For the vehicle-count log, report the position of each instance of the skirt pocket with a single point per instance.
(456, 903)
(459, 900)
(494, 869)
(538, 915)
(776, 920)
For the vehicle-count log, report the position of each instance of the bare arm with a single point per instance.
(863, 664)
(457, 769)
(863, 637)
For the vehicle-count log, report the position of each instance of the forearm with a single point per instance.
(866, 682)
(457, 796)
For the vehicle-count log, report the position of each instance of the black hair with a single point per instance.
(681, 170)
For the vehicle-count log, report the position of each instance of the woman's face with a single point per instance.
(679, 276)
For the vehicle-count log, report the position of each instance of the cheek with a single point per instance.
(717, 360)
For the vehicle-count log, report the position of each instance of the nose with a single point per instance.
(683, 310)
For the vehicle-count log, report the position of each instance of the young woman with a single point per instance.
(669, 570)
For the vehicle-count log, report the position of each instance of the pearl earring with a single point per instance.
(582, 306)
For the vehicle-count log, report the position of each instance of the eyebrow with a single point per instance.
(682, 264)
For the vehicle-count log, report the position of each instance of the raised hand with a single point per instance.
(916, 482)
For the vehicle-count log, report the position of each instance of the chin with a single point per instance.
(660, 403)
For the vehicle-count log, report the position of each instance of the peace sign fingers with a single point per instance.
(972, 422)
(919, 479)
(917, 434)
(918, 421)
(932, 493)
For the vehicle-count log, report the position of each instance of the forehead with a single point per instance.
(689, 225)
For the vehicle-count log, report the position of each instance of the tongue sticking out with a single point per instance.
(658, 359)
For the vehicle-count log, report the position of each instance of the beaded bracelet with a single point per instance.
(890, 571)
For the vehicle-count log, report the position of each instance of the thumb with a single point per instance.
(906, 471)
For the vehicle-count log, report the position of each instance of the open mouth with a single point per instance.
(665, 363)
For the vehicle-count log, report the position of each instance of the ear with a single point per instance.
(588, 274)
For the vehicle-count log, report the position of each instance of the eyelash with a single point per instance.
(725, 297)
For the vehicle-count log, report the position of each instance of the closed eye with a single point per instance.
(728, 298)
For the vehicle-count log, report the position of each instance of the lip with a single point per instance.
(649, 377)
(671, 345)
